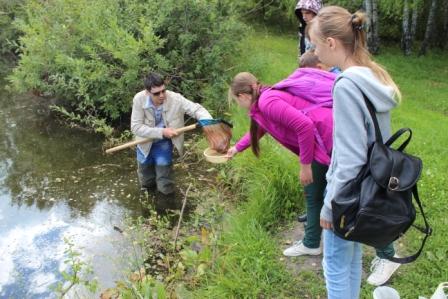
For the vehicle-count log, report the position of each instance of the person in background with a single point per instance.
(340, 40)
(305, 11)
(310, 59)
(294, 123)
(156, 113)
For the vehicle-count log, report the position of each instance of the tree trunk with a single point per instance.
(414, 19)
(368, 6)
(445, 27)
(406, 39)
(375, 48)
(263, 7)
(429, 28)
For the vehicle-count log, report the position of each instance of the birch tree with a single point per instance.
(371, 8)
(415, 10)
(375, 27)
(368, 7)
(445, 26)
(406, 39)
(429, 28)
(409, 25)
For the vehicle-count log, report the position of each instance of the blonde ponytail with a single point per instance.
(350, 29)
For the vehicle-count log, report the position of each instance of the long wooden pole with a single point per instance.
(135, 142)
(180, 216)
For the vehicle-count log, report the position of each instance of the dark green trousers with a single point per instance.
(385, 252)
(314, 196)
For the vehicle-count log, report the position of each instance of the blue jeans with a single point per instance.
(156, 169)
(161, 153)
(342, 263)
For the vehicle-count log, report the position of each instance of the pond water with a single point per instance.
(56, 183)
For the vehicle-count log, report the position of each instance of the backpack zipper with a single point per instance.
(349, 231)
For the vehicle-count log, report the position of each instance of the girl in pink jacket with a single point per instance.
(302, 126)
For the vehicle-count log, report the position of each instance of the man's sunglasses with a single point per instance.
(158, 93)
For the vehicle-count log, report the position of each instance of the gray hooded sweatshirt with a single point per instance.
(353, 127)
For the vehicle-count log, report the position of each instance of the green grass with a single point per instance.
(422, 80)
(269, 57)
(248, 265)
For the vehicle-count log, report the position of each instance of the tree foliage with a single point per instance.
(272, 12)
(94, 54)
(9, 9)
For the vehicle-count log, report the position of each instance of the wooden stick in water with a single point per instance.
(180, 216)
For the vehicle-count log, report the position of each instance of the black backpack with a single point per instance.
(376, 207)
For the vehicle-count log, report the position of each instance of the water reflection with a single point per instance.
(55, 183)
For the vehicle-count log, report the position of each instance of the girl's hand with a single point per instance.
(306, 174)
(232, 152)
(326, 224)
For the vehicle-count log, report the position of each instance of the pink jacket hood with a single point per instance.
(310, 84)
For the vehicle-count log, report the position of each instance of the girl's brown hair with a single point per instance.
(247, 83)
(337, 22)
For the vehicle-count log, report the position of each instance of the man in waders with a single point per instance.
(156, 113)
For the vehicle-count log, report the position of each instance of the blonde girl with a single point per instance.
(339, 38)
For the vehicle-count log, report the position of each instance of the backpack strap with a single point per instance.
(397, 135)
(378, 136)
(315, 106)
(427, 231)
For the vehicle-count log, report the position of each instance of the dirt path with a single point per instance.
(297, 264)
(311, 263)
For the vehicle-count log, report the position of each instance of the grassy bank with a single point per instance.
(249, 266)
(249, 263)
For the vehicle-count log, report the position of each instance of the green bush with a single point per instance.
(9, 10)
(277, 13)
(93, 55)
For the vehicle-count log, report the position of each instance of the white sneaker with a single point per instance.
(298, 249)
(382, 270)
